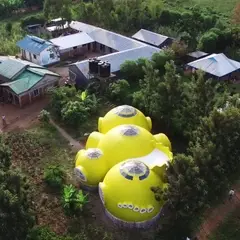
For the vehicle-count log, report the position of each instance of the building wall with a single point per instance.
(77, 76)
(49, 56)
(38, 90)
(72, 52)
(31, 57)
(97, 47)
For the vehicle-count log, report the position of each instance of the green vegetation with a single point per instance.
(54, 176)
(229, 229)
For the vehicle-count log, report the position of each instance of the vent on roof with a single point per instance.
(38, 40)
(213, 59)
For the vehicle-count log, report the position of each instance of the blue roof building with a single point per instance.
(39, 51)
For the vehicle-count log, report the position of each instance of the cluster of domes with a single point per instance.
(124, 160)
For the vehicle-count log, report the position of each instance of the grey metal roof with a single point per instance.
(118, 58)
(150, 37)
(197, 54)
(114, 40)
(82, 27)
(71, 41)
(216, 64)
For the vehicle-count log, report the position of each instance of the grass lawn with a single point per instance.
(222, 6)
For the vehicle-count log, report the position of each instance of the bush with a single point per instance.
(44, 116)
(35, 19)
(119, 91)
(44, 233)
(73, 200)
(54, 176)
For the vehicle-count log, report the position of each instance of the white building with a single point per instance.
(38, 50)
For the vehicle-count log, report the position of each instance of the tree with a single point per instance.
(5, 156)
(8, 27)
(119, 91)
(208, 42)
(74, 113)
(16, 217)
(159, 60)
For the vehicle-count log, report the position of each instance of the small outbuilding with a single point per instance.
(152, 38)
(38, 50)
(23, 82)
(73, 45)
(196, 55)
(216, 66)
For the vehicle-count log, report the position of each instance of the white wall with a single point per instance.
(30, 57)
(45, 58)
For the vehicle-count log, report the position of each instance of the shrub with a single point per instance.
(54, 176)
(36, 19)
(44, 116)
(73, 200)
(44, 233)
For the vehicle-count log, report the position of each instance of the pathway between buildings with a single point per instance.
(217, 215)
(74, 143)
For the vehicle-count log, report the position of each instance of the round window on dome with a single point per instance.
(120, 205)
(80, 175)
(143, 210)
(150, 209)
(93, 153)
(125, 205)
(136, 209)
(126, 111)
(130, 206)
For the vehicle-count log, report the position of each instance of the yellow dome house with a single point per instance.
(123, 115)
(127, 160)
(126, 194)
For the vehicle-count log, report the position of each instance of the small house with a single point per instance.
(38, 51)
(23, 82)
(73, 45)
(152, 38)
(217, 66)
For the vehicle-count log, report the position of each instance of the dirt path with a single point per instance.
(218, 214)
(74, 144)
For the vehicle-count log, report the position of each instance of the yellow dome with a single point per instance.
(124, 142)
(126, 192)
(90, 166)
(123, 115)
(162, 138)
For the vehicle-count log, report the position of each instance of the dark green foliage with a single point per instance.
(5, 155)
(8, 27)
(119, 91)
(16, 217)
(74, 200)
(54, 176)
(31, 20)
(44, 233)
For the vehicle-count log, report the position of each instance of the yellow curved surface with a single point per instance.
(123, 115)
(120, 194)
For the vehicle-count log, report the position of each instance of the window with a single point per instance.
(35, 92)
(34, 56)
(84, 45)
(74, 48)
(51, 55)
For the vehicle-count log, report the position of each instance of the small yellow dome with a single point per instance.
(126, 192)
(123, 115)
(162, 138)
(90, 166)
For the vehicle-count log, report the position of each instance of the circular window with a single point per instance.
(150, 209)
(93, 153)
(120, 205)
(143, 210)
(125, 111)
(136, 209)
(80, 175)
(130, 206)
(125, 205)
(129, 130)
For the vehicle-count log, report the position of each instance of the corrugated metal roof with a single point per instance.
(10, 67)
(33, 44)
(57, 27)
(42, 71)
(114, 40)
(71, 41)
(82, 27)
(216, 64)
(150, 37)
(23, 82)
(118, 58)
(197, 54)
